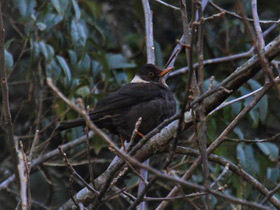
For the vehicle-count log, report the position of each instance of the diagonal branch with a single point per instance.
(163, 133)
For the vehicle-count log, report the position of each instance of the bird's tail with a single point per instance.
(70, 124)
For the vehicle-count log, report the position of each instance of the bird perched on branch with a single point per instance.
(145, 96)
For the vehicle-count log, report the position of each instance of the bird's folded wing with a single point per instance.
(127, 96)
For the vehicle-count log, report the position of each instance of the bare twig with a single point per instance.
(234, 168)
(234, 101)
(68, 164)
(273, 138)
(218, 141)
(168, 5)
(144, 150)
(46, 157)
(224, 172)
(5, 102)
(258, 46)
(201, 128)
(257, 25)
(270, 194)
(239, 17)
(214, 61)
(150, 59)
(134, 133)
(149, 32)
(24, 179)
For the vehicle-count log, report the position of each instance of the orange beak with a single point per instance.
(165, 71)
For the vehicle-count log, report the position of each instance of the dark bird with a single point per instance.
(145, 96)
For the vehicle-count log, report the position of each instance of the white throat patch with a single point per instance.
(137, 79)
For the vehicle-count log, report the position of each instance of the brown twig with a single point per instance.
(146, 150)
(90, 167)
(134, 134)
(273, 138)
(168, 5)
(257, 25)
(45, 157)
(150, 59)
(5, 103)
(25, 194)
(234, 168)
(239, 17)
(201, 129)
(219, 141)
(149, 32)
(258, 45)
(74, 172)
(214, 61)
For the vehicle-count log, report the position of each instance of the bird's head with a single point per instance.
(150, 73)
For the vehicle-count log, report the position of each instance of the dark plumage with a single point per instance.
(144, 97)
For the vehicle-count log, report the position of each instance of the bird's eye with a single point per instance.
(151, 74)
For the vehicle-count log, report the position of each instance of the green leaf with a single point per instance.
(272, 174)
(121, 77)
(53, 70)
(41, 26)
(263, 108)
(98, 144)
(158, 55)
(52, 19)
(269, 149)
(50, 51)
(46, 50)
(60, 6)
(255, 116)
(262, 105)
(73, 57)
(25, 7)
(96, 67)
(247, 158)
(78, 33)
(8, 43)
(211, 129)
(84, 64)
(118, 61)
(65, 67)
(35, 47)
(43, 49)
(76, 9)
(94, 7)
(237, 130)
(9, 60)
(83, 91)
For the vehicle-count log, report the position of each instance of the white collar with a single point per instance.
(137, 79)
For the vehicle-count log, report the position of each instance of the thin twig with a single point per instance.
(74, 172)
(149, 32)
(24, 179)
(239, 17)
(258, 47)
(234, 168)
(234, 101)
(273, 138)
(218, 141)
(202, 129)
(224, 172)
(257, 25)
(168, 5)
(5, 103)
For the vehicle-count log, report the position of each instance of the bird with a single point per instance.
(145, 96)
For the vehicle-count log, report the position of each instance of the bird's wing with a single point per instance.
(127, 96)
